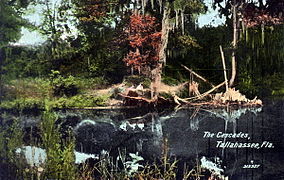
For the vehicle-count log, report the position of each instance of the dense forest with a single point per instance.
(93, 44)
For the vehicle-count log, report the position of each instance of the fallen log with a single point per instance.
(179, 100)
(213, 104)
(144, 102)
(99, 108)
(231, 97)
(135, 101)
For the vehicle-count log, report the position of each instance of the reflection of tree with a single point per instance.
(231, 115)
(197, 114)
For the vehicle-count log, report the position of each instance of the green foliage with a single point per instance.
(187, 41)
(27, 88)
(193, 6)
(10, 27)
(19, 62)
(279, 92)
(22, 104)
(135, 80)
(41, 87)
(274, 84)
(132, 167)
(85, 84)
(60, 162)
(246, 84)
(36, 93)
(165, 95)
(11, 138)
(11, 20)
(55, 24)
(3, 148)
(79, 101)
(63, 86)
(181, 45)
(266, 86)
(204, 57)
(261, 61)
(100, 52)
(170, 81)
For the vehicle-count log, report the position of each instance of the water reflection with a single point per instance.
(144, 133)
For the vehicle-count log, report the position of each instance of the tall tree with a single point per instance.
(172, 10)
(11, 22)
(98, 28)
(144, 40)
(246, 14)
(57, 19)
(172, 16)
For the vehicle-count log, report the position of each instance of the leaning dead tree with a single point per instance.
(231, 96)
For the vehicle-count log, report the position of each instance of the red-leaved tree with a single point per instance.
(144, 40)
(269, 14)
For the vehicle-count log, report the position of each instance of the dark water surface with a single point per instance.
(183, 132)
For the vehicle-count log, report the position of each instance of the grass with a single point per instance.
(36, 93)
(60, 161)
(10, 139)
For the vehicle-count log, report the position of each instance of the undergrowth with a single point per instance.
(58, 92)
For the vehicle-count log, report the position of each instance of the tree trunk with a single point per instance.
(224, 67)
(160, 5)
(1, 72)
(135, 9)
(182, 21)
(234, 44)
(156, 80)
(165, 34)
(177, 19)
(156, 74)
(152, 4)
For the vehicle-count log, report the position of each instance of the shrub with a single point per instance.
(23, 104)
(63, 86)
(170, 81)
(91, 83)
(79, 101)
(60, 157)
(166, 95)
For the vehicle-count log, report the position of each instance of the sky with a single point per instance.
(211, 17)
(34, 15)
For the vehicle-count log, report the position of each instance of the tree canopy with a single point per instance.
(11, 20)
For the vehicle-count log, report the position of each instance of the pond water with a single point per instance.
(242, 144)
